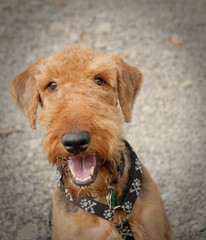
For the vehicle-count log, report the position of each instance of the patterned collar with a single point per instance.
(107, 212)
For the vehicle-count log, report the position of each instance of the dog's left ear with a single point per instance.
(24, 92)
(129, 82)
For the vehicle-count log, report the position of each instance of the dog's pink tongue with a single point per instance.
(82, 167)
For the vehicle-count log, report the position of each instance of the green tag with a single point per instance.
(111, 199)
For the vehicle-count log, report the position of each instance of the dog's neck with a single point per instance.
(120, 182)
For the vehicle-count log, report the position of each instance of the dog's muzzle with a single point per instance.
(83, 168)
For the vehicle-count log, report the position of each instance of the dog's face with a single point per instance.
(78, 90)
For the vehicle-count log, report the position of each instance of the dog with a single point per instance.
(82, 97)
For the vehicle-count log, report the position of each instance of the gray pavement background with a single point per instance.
(166, 40)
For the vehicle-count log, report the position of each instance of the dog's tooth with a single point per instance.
(89, 177)
(72, 171)
(92, 171)
(83, 180)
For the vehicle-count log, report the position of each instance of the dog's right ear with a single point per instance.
(129, 82)
(24, 92)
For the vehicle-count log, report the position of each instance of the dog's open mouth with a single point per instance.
(83, 169)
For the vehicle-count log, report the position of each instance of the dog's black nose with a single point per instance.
(76, 143)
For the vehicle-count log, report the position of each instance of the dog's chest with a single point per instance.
(75, 223)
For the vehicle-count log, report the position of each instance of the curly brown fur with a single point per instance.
(78, 104)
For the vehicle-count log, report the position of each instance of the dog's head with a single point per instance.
(78, 91)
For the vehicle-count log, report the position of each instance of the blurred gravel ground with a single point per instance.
(167, 41)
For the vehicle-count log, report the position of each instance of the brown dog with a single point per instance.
(104, 192)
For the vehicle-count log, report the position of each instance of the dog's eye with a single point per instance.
(52, 87)
(99, 81)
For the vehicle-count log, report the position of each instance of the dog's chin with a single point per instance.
(83, 169)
